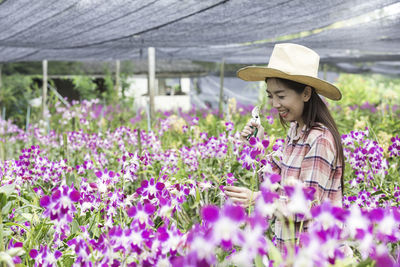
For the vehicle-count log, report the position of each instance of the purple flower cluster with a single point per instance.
(363, 199)
(131, 204)
(229, 126)
(45, 257)
(249, 155)
(223, 228)
(365, 106)
(394, 148)
(31, 168)
(331, 231)
(365, 156)
(131, 246)
(165, 196)
(270, 119)
(86, 111)
(14, 250)
(59, 207)
(11, 133)
(130, 166)
(230, 179)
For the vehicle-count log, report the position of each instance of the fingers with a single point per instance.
(247, 130)
(254, 124)
(236, 195)
(250, 128)
(233, 189)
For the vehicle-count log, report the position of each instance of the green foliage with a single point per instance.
(85, 86)
(15, 92)
(110, 94)
(357, 89)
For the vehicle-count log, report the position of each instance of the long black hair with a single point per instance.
(315, 111)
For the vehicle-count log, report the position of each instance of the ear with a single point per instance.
(307, 93)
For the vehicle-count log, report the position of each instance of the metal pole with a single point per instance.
(152, 79)
(28, 115)
(148, 117)
(1, 82)
(221, 88)
(54, 90)
(117, 76)
(44, 93)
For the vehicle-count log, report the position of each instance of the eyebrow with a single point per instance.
(277, 92)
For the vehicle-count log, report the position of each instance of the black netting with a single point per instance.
(209, 30)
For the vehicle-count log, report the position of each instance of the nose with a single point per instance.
(275, 103)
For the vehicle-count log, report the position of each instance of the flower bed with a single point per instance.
(99, 190)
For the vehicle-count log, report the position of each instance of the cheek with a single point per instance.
(299, 108)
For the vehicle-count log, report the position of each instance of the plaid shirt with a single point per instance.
(313, 160)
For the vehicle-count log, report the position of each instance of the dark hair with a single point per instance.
(315, 111)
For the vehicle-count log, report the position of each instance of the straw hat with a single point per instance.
(292, 62)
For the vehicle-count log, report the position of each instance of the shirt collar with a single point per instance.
(292, 132)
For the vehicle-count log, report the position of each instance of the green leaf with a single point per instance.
(197, 195)
(274, 254)
(15, 252)
(27, 216)
(258, 261)
(7, 189)
(7, 259)
(7, 232)
(7, 207)
(75, 227)
(67, 261)
(70, 179)
(377, 193)
(366, 263)
(3, 199)
(349, 261)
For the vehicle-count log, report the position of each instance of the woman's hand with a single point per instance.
(247, 130)
(241, 195)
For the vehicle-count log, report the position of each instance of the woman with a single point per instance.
(313, 152)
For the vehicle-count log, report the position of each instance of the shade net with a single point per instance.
(238, 31)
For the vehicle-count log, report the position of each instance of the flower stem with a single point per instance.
(1, 233)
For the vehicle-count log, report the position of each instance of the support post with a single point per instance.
(221, 88)
(28, 116)
(152, 79)
(44, 92)
(117, 77)
(1, 82)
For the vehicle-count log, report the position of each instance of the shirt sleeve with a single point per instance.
(275, 164)
(317, 169)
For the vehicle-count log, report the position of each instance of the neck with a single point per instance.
(301, 124)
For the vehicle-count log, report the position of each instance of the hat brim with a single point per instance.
(255, 73)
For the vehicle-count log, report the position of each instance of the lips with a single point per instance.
(283, 113)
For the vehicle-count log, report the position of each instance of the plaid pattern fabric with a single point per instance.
(313, 160)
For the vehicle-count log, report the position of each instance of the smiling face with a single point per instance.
(287, 101)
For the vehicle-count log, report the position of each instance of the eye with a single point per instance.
(269, 96)
(281, 96)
